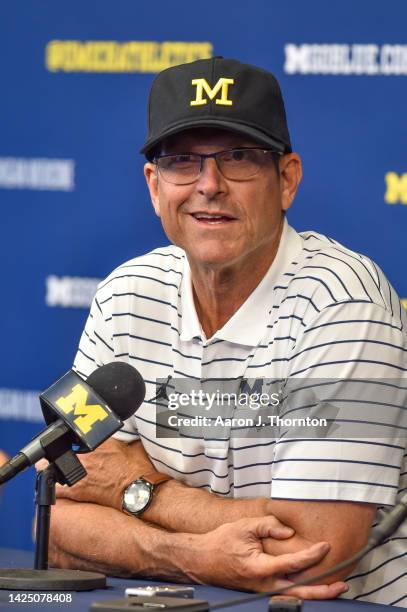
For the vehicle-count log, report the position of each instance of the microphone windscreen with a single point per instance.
(120, 385)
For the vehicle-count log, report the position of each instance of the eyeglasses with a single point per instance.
(234, 164)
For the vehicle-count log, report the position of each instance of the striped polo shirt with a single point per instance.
(320, 312)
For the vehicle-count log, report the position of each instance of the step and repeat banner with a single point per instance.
(75, 78)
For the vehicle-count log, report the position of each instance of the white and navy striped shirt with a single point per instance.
(321, 311)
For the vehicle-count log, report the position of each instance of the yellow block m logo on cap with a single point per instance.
(86, 415)
(221, 86)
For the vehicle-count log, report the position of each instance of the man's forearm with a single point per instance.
(181, 508)
(139, 549)
(177, 507)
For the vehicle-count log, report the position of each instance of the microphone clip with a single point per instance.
(69, 470)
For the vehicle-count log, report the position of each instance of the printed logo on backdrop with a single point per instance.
(404, 303)
(19, 405)
(116, 56)
(343, 59)
(70, 291)
(396, 188)
(38, 174)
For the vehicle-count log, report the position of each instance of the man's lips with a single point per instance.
(212, 218)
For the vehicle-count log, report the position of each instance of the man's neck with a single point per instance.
(220, 292)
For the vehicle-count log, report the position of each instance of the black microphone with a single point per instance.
(81, 415)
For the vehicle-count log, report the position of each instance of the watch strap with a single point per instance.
(155, 478)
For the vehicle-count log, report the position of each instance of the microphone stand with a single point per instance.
(44, 498)
(66, 470)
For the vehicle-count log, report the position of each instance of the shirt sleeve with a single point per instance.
(348, 365)
(96, 348)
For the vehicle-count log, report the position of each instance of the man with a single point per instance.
(240, 296)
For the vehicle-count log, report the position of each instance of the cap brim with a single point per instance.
(232, 126)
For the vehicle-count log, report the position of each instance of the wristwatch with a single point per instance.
(139, 494)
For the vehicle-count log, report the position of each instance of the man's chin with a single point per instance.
(212, 258)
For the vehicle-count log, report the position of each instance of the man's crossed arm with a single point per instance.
(200, 520)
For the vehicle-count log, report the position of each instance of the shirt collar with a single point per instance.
(247, 326)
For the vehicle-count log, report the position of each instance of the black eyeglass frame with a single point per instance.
(214, 156)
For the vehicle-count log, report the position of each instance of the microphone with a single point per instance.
(81, 415)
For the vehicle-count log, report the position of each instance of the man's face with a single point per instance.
(251, 210)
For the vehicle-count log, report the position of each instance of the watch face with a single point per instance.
(137, 496)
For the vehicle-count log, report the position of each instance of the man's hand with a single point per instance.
(3, 457)
(110, 468)
(233, 556)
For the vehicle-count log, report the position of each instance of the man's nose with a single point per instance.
(211, 182)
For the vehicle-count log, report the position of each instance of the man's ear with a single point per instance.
(290, 178)
(151, 175)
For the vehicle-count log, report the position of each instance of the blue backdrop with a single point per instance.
(74, 83)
